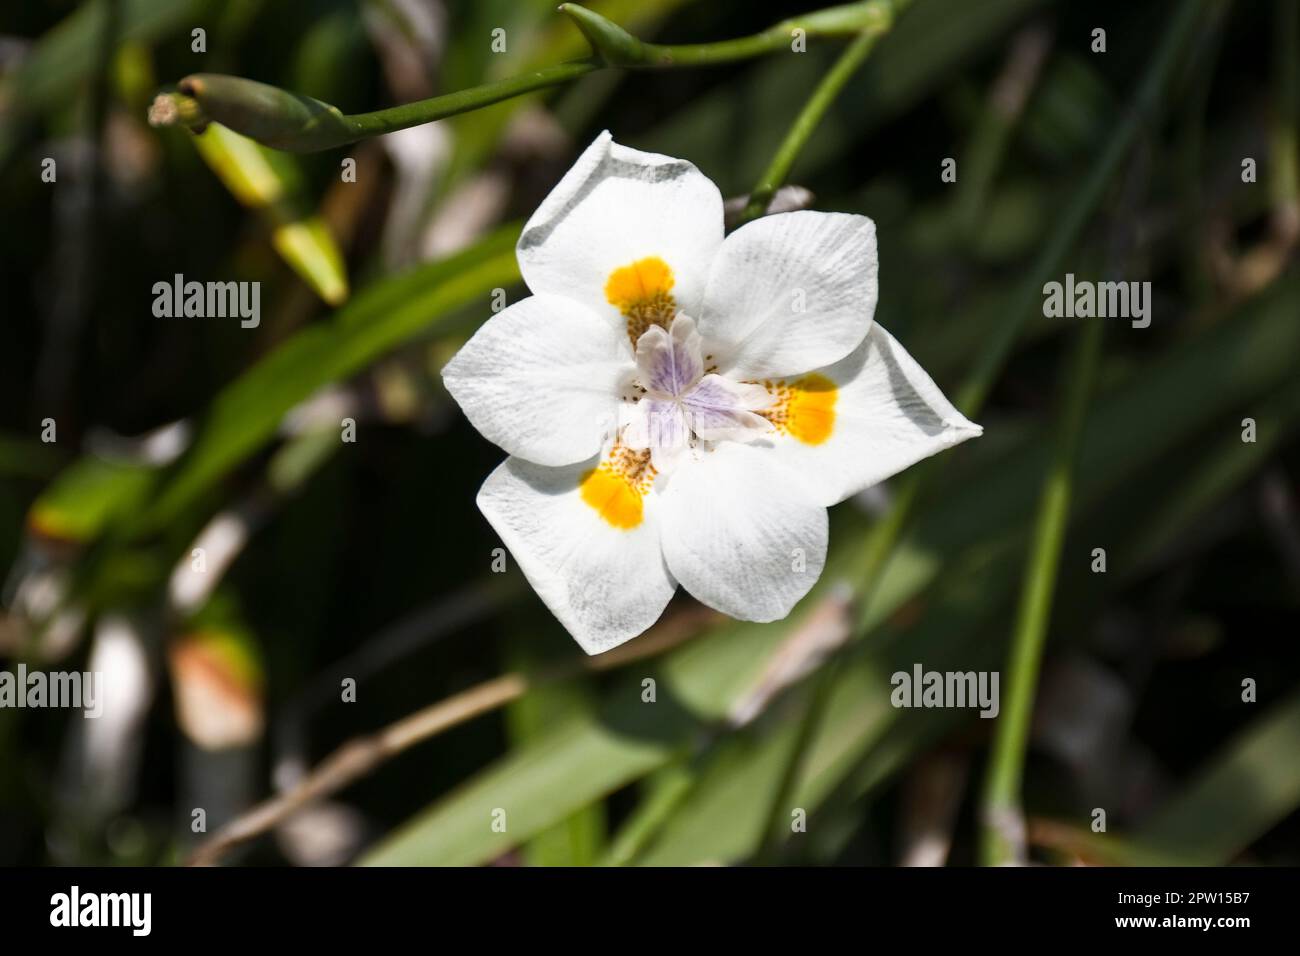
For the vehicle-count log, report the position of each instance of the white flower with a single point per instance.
(682, 408)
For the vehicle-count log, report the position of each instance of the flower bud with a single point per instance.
(268, 114)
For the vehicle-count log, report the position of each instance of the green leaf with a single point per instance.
(979, 523)
(862, 741)
(577, 840)
(575, 763)
(246, 414)
(86, 496)
(269, 183)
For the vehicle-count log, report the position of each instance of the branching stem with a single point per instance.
(300, 124)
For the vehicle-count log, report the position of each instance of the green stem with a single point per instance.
(811, 115)
(885, 535)
(664, 793)
(1001, 819)
(1027, 299)
(297, 123)
(879, 545)
(414, 114)
(774, 830)
(881, 540)
(616, 47)
(873, 20)
(984, 154)
(776, 823)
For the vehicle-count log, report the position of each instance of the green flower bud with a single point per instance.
(268, 114)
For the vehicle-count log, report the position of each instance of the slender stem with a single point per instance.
(1024, 299)
(616, 47)
(664, 794)
(884, 536)
(988, 144)
(362, 125)
(993, 356)
(813, 111)
(880, 544)
(882, 18)
(775, 823)
(656, 810)
(1002, 829)
(849, 20)
(297, 123)
(1002, 824)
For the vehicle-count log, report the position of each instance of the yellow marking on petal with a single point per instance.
(616, 488)
(612, 498)
(803, 409)
(642, 291)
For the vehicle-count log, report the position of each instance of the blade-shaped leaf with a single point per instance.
(1169, 401)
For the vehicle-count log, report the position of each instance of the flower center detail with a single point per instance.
(674, 407)
(677, 407)
(642, 291)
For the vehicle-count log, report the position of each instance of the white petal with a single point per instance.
(605, 584)
(541, 379)
(741, 533)
(884, 415)
(615, 207)
(790, 293)
(720, 409)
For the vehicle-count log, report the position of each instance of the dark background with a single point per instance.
(369, 559)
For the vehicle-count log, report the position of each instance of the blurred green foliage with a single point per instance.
(368, 559)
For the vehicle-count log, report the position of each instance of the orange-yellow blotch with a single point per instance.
(642, 280)
(805, 408)
(642, 291)
(616, 489)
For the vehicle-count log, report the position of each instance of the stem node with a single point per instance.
(613, 45)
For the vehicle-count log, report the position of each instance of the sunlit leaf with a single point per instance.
(268, 182)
